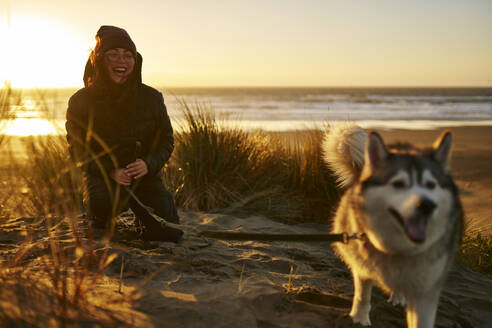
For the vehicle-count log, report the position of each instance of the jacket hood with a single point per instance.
(137, 70)
(109, 37)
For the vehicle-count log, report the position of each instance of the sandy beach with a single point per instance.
(212, 283)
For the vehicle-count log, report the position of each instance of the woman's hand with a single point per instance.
(121, 177)
(137, 169)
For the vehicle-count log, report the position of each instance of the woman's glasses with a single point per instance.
(113, 56)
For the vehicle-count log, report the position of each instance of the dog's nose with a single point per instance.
(426, 206)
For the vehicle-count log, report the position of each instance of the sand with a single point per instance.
(212, 283)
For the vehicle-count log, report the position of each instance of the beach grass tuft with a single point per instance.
(51, 178)
(221, 168)
(476, 253)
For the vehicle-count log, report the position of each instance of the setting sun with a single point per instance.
(37, 53)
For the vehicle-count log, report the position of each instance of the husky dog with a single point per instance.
(402, 200)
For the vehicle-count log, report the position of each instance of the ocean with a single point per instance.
(281, 109)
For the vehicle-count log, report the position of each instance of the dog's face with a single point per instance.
(408, 195)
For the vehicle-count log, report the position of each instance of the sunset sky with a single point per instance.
(45, 43)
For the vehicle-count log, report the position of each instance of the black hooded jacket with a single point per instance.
(106, 129)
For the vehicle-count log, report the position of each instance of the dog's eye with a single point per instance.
(430, 185)
(398, 184)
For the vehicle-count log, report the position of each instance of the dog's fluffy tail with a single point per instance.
(343, 150)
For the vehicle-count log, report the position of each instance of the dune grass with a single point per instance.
(213, 168)
(224, 168)
(221, 168)
(49, 272)
(476, 253)
(52, 180)
(48, 264)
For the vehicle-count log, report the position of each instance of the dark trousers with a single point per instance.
(105, 200)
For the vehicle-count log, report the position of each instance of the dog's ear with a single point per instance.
(442, 149)
(376, 151)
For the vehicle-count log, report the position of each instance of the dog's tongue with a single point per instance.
(416, 229)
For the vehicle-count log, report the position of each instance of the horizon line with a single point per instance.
(285, 87)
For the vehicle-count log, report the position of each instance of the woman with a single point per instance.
(118, 129)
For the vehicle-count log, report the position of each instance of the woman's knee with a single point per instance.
(98, 207)
(97, 200)
(161, 201)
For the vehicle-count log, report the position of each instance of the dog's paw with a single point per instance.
(361, 317)
(397, 299)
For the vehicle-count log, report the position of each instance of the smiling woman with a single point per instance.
(39, 54)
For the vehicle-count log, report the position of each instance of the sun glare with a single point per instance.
(30, 126)
(39, 54)
(27, 121)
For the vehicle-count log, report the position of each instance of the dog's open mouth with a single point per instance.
(414, 227)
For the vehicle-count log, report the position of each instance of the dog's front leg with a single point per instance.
(421, 312)
(361, 304)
